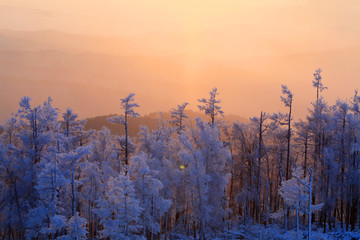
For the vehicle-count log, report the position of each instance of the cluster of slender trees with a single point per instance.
(59, 181)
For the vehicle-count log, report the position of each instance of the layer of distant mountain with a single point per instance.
(90, 74)
(152, 121)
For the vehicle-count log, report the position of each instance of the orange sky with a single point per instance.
(245, 48)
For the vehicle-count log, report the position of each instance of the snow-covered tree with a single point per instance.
(149, 194)
(128, 106)
(206, 159)
(297, 193)
(211, 106)
(287, 99)
(317, 83)
(74, 151)
(160, 148)
(119, 211)
(178, 115)
(96, 171)
(38, 126)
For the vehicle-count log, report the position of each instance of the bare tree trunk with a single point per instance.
(310, 197)
(18, 210)
(74, 197)
(126, 144)
(166, 224)
(259, 152)
(288, 145)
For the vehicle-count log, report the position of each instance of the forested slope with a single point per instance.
(268, 178)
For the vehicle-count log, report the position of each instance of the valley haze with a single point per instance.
(88, 55)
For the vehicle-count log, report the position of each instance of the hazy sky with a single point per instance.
(260, 43)
(276, 18)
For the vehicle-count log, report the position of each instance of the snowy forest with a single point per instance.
(272, 177)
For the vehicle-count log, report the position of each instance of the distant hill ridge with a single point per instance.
(150, 120)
